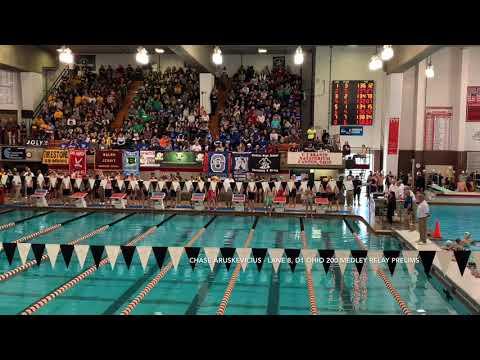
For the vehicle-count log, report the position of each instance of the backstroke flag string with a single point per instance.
(259, 257)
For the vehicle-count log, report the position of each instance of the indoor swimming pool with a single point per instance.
(200, 291)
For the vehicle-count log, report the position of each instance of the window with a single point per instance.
(6, 87)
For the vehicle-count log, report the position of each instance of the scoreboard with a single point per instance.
(353, 102)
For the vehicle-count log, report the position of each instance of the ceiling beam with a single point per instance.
(407, 56)
(197, 55)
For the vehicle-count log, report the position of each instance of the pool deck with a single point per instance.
(467, 286)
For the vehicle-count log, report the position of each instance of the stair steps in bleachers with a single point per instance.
(123, 113)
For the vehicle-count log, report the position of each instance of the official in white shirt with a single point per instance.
(423, 212)
(348, 184)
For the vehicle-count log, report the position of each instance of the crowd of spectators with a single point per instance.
(262, 110)
(80, 110)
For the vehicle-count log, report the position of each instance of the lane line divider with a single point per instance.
(388, 283)
(75, 280)
(15, 223)
(310, 287)
(233, 279)
(133, 304)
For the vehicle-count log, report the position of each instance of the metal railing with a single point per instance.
(49, 92)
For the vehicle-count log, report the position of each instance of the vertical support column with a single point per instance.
(394, 93)
(460, 126)
(420, 106)
(207, 82)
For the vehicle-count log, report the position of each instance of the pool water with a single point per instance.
(455, 220)
(200, 291)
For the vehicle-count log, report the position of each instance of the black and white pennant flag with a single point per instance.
(462, 259)
(175, 254)
(293, 256)
(410, 258)
(444, 258)
(192, 255)
(391, 256)
(38, 251)
(67, 252)
(160, 185)
(188, 185)
(342, 257)
(91, 182)
(159, 252)
(127, 252)
(360, 258)
(227, 256)
(9, 249)
(23, 250)
(144, 255)
(211, 253)
(238, 185)
(326, 258)
(244, 255)
(52, 252)
(265, 186)
(251, 185)
(427, 257)
(120, 184)
(309, 256)
(201, 185)
(112, 254)
(374, 259)
(81, 251)
(97, 253)
(146, 184)
(276, 256)
(259, 257)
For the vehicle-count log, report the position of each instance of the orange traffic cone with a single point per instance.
(437, 234)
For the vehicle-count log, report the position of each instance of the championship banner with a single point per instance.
(14, 153)
(108, 160)
(147, 158)
(393, 136)
(217, 164)
(240, 164)
(473, 103)
(437, 128)
(77, 162)
(55, 157)
(264, 163)
(315, 159)
(179, 158)
(131, 162)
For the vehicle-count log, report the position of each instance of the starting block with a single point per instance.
(119, 200)
(279, 203)
(40, 197)
(157, 198)
(79, 199)
(198, 200)
(320, 204)
(238, 201)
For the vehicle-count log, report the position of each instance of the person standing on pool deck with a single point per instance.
(349, 189)
(357, 189)
(423, 212)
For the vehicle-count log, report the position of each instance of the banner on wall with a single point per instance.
(147, 158)
(131, 162)
(108, 160)
(55, 157)
(473, 103)
(217, 164)
(315, 159)
(437, 127)
(240, 166)
(14, 153)
(77, 162)
(353, 102)
(393, 127)
(264, 163)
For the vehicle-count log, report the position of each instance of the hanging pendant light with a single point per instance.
(217, 57)
(429, 72)
(298, 57)
(65, 55)
(387, 52)
(142, 56)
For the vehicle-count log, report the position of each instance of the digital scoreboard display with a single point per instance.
(353, 102)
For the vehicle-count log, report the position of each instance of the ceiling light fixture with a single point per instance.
(298, 57)
(262, 51)
(217, 57)
(387, 52)
(429, 72)
(65, 55)
(142, 56)
(375, 63)
(159, 51)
